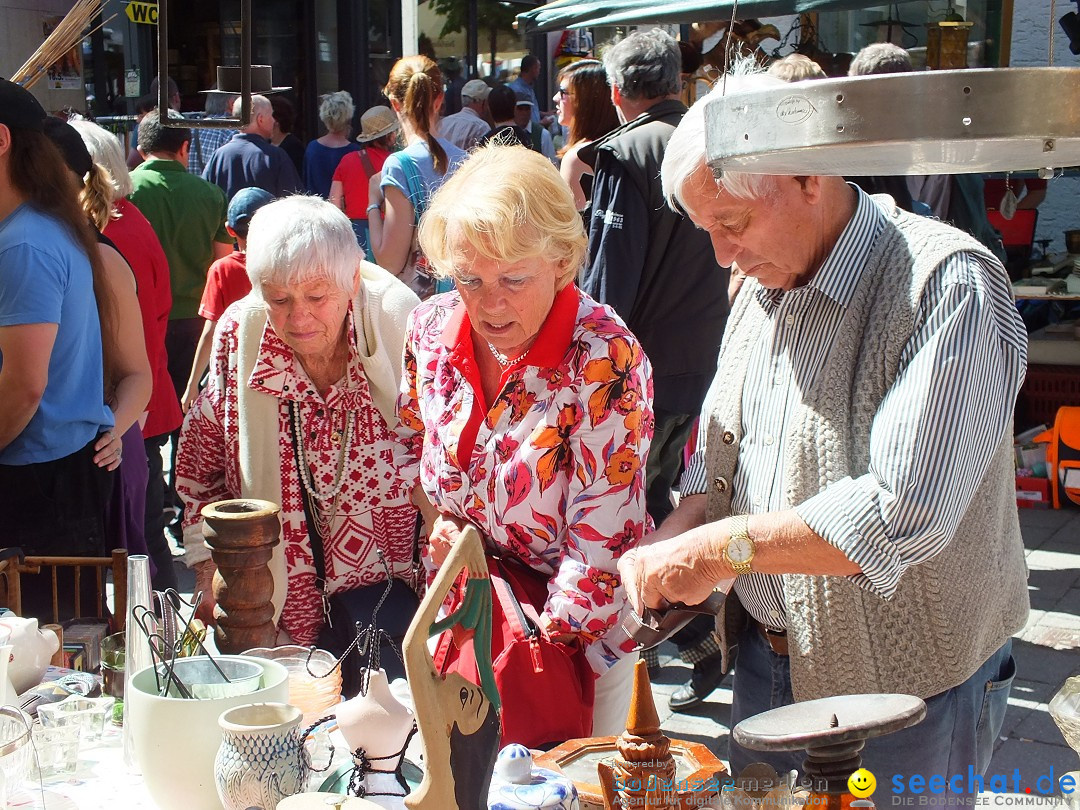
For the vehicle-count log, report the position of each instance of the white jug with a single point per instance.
(7, 691)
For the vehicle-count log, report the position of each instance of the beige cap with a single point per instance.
(475, 90)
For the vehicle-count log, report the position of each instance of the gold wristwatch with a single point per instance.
(740, 549)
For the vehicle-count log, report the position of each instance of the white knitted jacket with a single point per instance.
(380, 313)
(950, 613)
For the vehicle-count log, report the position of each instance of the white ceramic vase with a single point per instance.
(261, 759)
(175, 740)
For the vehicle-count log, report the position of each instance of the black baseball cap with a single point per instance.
(71, 145)
(19, 109)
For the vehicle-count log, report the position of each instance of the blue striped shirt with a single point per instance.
(932, 437)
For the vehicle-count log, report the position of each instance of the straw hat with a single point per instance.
(375, 123)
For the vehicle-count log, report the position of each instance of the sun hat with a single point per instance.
(375, 123)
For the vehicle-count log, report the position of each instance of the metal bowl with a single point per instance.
(203, 679)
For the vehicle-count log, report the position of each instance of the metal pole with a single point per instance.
(472, 40)
(163, 62)
(246, 24)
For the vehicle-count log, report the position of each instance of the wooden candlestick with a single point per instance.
(241, 535)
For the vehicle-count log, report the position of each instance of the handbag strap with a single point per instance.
(309, 512)
(415, 184)
(522, 625)
(369, 168)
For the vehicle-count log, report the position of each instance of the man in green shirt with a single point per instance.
(188, 215)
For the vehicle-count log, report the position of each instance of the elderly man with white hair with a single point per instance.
(854, 478)
(299, 410)
(249, 159)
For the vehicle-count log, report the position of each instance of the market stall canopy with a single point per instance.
(581, 13)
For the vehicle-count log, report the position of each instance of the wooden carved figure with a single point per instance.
(458, 720)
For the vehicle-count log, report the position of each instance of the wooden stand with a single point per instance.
(241, 535)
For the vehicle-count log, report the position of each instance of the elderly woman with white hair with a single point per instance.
(526, 410)
(322, 156)
(299, 410)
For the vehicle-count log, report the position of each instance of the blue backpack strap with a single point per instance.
(416, 186)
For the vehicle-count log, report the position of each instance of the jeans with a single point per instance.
(959, 731)
(154, 519)
(360, 228)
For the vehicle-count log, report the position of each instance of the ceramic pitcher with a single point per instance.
(262, 758)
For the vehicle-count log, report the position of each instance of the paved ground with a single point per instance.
(1047, 652)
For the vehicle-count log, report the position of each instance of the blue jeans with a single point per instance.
(360, 228)
(959, 731)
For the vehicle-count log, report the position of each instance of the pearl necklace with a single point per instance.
(503, 360)
(326, 517)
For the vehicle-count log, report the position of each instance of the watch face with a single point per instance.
(740, 549)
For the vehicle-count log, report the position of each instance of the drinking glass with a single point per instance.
(113, 655)
(56, 751)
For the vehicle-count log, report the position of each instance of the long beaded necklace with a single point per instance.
(325, 514)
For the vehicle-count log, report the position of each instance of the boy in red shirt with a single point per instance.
(226, 282)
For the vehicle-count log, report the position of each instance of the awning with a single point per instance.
(582, 13)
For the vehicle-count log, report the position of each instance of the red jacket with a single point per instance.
(137, 242)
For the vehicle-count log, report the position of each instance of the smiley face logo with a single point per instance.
(861, 783)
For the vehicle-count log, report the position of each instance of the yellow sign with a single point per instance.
(142, 13)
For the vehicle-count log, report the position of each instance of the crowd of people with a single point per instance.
(444, 322)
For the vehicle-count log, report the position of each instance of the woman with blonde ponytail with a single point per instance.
(400, 193)
(123, 223)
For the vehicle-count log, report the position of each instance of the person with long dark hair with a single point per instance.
(58, 344)
(583, 102)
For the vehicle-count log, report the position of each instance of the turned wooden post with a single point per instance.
(241, 535)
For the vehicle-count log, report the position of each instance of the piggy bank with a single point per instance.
(32, 648)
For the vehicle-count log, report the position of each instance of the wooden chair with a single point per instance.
(13, 564)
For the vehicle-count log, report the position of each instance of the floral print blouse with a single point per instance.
(373, 512)
(553, 470)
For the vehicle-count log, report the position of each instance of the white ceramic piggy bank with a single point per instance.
(32, 648)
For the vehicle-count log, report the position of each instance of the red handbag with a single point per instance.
(546, 688)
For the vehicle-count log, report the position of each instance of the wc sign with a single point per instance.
(142, 13)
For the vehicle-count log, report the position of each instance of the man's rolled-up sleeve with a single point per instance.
(935, 432)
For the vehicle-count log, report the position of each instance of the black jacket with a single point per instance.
(652, 265)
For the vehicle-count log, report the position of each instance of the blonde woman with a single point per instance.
(135, 239)
(323, 154)
(526, 407)
(400, 193)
